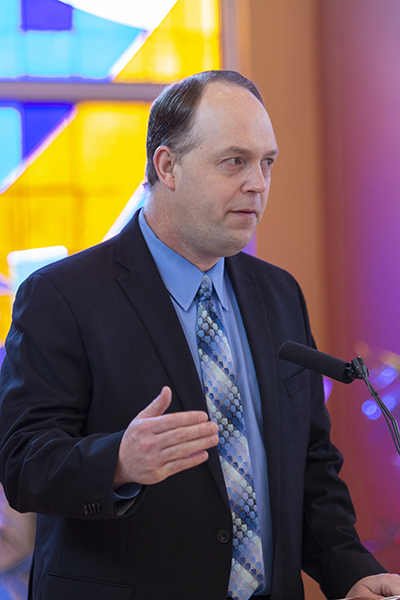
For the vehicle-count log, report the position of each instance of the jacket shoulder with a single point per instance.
(261, 269)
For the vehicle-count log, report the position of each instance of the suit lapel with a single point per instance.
(145, 289)
(253, 308)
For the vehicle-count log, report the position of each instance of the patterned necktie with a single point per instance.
(225, 408)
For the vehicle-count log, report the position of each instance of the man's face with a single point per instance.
(222, 184)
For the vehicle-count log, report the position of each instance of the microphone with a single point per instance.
(319, 361)
(341, 371)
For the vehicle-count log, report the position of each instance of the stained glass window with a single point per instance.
(76, 81)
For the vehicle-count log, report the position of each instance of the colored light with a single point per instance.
(328, 384)
(10, 142)
(136, 201)
(41, 45)
(4, 286)
(24, 262)
(45, 15)
(39, 120)
(383, 376)
(396, 538)
(371, 410)
(389, 401)
(135, 13)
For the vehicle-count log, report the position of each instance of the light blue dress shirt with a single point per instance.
(182, 280)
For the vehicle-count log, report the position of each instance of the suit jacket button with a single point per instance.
(223, 536)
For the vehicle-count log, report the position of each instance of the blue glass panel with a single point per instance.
(48, 54)
(9, 14)
(47, 15)
(99, 44)
(39, 120)
(12, 63)
(87, 51)
(10, 140)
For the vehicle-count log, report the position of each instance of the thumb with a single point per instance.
(158, 406)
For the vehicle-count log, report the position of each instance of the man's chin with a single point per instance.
(238, 247)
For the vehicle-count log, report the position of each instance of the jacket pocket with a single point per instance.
(297, 382)
(59, 587)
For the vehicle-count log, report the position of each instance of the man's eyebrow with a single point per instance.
(240, 150)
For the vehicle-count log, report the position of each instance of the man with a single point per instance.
(104, 423)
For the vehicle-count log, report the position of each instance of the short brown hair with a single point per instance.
(172, 114)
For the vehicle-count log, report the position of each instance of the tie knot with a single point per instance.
(205, 289)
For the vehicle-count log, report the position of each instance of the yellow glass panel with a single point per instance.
(5, 317)
(100, 154)
(186, 42)
(73, 192)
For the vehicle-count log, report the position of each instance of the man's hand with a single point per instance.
(384, 585)
(155, 445)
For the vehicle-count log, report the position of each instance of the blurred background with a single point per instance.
(76, 82)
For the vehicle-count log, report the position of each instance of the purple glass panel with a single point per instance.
(38, 120)
(45, 15)
(2, 354)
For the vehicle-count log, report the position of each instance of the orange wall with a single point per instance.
(328, 72)
(284, 63)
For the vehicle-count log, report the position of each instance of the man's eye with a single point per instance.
(234, 160)
(269, 162)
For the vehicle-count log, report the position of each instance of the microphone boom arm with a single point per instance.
(362, 373)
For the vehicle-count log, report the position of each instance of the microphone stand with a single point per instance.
(360, 371)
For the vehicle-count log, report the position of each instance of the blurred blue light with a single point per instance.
(384, 376)
(371, 410)
(389, 401)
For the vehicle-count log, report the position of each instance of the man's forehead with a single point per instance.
(226, 93)
(225, 104)
(233, 112)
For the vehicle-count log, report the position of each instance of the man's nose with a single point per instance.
(256, 181)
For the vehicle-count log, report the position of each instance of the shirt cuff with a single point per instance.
(125, 496)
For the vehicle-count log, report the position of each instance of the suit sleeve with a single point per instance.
(47, 464)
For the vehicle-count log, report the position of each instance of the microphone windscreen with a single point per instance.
(317, 361)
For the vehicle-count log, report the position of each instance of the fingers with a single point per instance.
(187, 439)
(156, 445)
(376, 586)
(169, 422)
(158, 406)
(178, 453)
(176, 466)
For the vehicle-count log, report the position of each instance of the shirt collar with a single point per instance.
(181, 278)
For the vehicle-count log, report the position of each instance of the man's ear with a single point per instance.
(164, 163)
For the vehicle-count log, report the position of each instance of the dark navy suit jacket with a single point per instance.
(94, 338)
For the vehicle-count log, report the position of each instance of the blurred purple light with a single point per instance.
(328, 385)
